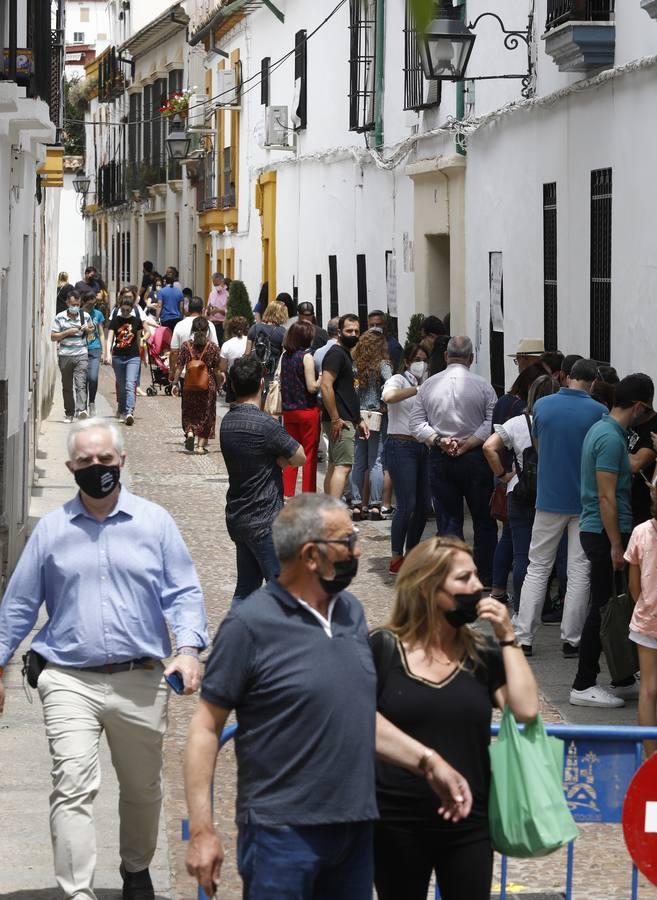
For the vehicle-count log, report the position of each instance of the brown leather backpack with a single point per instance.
(197, 376)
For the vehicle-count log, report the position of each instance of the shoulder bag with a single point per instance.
(274, 398)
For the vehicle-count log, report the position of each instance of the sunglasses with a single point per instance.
(349, 541)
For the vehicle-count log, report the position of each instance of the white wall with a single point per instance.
(71, 232)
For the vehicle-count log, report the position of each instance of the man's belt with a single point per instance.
(144, 662)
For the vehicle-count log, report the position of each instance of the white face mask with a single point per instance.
(419, 369)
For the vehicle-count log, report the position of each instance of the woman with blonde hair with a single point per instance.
(373, 369)
(438, 680)
(64, 287)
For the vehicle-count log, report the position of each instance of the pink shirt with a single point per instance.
(642, 551)
(219, 299)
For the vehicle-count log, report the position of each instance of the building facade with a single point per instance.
(30, 178)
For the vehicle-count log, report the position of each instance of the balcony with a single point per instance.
(111, 80)
(111, 185)
(580, 35)
(34, 53)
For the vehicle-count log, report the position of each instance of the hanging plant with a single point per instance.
(177, 104)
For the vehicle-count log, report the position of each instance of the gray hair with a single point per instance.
(217, 275)
(332, 327)
(85, 424)
(459, 347)
(300, 521)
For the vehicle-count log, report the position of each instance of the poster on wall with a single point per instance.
(391, 283)
(496, 309)
(496, 298)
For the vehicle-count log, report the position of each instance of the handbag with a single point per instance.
(498, 506)
(527, 486)
(620, 652)
(372, 419)
(527, 811)
(274, 399)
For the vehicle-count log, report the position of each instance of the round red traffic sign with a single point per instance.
(640, 819)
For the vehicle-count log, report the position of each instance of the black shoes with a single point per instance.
(527, 649)
(553, 617)
(570, 651)
(137, 885)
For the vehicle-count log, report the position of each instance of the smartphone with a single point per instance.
(175, 682)
(650, 483)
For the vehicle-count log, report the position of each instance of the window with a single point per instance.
(300, 79)
(418, 93)
(264, 80)
(361, 289)
(175, 87)
(148, 105)
(601, 184)
(362, 64)
(101, 36)
(78, 37)
(228, 197)
(84, 13)
(550, 266)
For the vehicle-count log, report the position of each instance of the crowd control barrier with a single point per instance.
(599, 763)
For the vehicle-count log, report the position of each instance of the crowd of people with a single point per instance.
(362, 758)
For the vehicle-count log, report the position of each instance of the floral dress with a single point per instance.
(199, 408)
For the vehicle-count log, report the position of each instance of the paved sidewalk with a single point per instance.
(26, 871)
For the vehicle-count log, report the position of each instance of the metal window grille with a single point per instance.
(362, 87)
(601, 194)
(333, 285)
(228, 197)
(550, 266)
(361, 289)
(418, 94)
(301, 76)
(560, 11)
(264, 80)
(132, 128)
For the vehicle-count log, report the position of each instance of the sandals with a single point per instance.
(356, 514)
(189, 442)
(375, 515)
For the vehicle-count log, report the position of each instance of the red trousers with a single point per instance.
(303, 425)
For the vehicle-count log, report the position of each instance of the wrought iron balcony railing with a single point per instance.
(561, 11)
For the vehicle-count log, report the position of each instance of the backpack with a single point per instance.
(262, 349)
(526, 488)
(197, 377)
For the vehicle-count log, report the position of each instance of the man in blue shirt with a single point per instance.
(170, 302)
(605, 528)
(114, 575)
(293, 661)
(559, 426)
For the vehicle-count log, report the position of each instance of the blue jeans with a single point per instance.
(408, 464)
(368, 459)
(503, 559)
(126, 372)
(468, 477)
(521, 520)
(93, 368)
(256, 562)
(311, 862)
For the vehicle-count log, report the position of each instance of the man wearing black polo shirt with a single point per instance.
(294, 663)
(341, 415)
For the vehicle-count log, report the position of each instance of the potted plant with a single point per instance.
(177, 104)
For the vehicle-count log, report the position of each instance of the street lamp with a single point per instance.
(446, 45)
(178, 141)
(81, 182)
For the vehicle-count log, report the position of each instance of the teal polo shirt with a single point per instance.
(605, 450)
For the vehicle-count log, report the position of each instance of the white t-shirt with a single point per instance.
(399, 413)
(136, 311)
(183, 332)
(515, 436)
(233, 349)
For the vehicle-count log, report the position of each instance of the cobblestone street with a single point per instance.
(193, 489)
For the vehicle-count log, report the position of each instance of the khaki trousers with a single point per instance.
(131, 708)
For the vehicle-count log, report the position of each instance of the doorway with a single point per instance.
(437, 274)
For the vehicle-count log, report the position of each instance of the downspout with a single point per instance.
(460, 96)
(379, 72)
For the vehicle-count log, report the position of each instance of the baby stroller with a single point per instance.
(158, 346)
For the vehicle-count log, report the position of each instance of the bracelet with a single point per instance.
(424, 759)
(188, 651)
(512, 643)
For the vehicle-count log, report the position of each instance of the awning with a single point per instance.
(172, 21)
(228, 15)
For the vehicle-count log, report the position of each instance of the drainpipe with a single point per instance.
(460, 94)
(379, 71)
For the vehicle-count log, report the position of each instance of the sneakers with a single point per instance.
(387, 511)
(189, 442)
(625, 691)
(137, 885)
(570, 651)
(527, 649)
(68, 419)
(553, 617)
(129, 419)
(395, 565)
(92, 410)
(595, 696)
(83, 414)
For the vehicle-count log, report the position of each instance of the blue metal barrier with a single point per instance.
(599, 763)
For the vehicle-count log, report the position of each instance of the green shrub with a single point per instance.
(414, 333)
(239, 303)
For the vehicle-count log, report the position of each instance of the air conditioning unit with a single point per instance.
(277, 130)
(198, 108)
(227, 89)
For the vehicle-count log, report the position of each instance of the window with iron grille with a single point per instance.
(418, 93)
(301, 77)
(148, 107)
(361, 289)
(560, 11)
(264, 80)
(362, 64)
(601, 185)
(228, 198)
(132, 128)
(550, 334)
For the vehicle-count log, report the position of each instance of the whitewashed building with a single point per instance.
(30, 178)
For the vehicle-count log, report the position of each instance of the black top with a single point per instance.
(305, 705)
(339, 361)
(453, 717)
(62, 295)
(276, 336)
(126, 339)
(83, 286)
(638, 438)
(320, 339)
(251, 441)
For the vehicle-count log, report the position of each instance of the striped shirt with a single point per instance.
(454, 403)
(75, 344)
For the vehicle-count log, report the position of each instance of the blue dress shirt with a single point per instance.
(111, 588)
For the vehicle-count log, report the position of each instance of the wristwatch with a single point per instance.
(188, 651)
(510, 643)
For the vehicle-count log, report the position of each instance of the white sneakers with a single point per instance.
(626, 691)
(596, 696)
(129, 419)
(82, 414)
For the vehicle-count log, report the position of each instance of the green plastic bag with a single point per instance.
(527, 810)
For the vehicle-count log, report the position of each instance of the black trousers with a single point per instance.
(405, 855)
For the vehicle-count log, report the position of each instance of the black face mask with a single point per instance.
(349, 341)
(345, 571)
(97, 481)
(464, 611)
